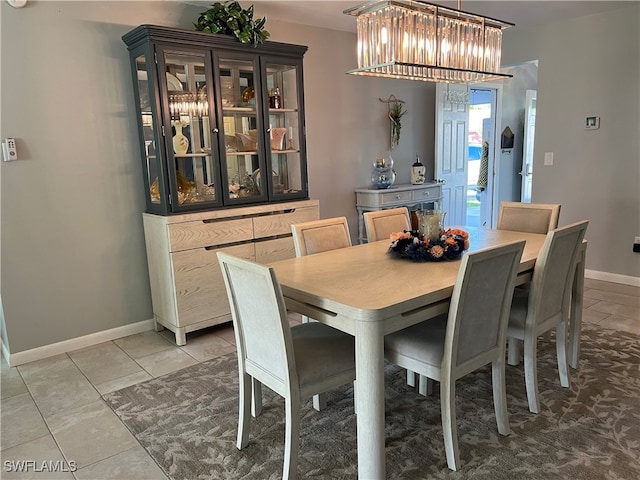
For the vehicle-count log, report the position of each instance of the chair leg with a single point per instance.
(531, 372)
(256, 397)
(500, 396)
(411, 378)
(561, 352)
(513, 351)
(320, 401)
(425, 386)
(449, 428)
(292, 438)
(244, 408)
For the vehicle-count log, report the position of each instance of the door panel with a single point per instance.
(451, 146)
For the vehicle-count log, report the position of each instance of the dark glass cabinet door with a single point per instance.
(188, 127)
(242, 156)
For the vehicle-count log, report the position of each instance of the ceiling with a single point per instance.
(524, 13)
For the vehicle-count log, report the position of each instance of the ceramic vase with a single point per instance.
(180, 142)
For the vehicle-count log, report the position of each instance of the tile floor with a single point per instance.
(52, 410)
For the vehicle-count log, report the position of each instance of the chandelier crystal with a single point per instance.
(417, 40)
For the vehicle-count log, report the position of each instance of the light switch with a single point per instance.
(548, 158)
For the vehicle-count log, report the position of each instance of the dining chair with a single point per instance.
(295, 362)
(528, 217)
(470, 336)
(545, 305)
(380, 224)
(320, 235)
(314, 237)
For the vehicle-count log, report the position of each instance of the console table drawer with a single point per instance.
(394, 197)
(426, 194)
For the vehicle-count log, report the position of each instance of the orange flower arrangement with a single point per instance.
(414, 246)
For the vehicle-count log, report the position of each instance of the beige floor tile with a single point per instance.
(587, 302)
(11, 382)
(612, 297)
(21, 421)
(167, 361)
(591, 316)
(44, 453)
(621, 323)
(90, 433)
(92, 362)
(132, 464)
(208, 346)
(122, 382)
(226, 333)
(143, 344)
(616, 309)
(612, 287)
(57, 384)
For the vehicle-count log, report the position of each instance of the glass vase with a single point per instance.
(383, 175)
(432, 223)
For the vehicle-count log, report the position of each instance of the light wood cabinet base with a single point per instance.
(187, 288)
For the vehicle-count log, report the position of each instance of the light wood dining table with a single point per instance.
(367, 293)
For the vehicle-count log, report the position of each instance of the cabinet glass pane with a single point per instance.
(240, 124)
(149, 130)
(284, 127)
(190, 127)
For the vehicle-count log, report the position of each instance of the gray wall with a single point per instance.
(589, 66)
(72, 249)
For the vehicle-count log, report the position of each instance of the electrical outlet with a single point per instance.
(548, 158)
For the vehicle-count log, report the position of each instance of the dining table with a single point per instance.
(366, 292)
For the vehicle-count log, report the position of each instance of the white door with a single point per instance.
(527, 148)
(452, 116)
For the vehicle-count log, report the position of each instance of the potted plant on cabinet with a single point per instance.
(229, 18)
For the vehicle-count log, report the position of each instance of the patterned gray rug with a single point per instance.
(187, 421)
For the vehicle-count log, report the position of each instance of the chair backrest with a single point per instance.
(263, 336)
(480, 306)
(320, 235)
(382, 223)
(550, 291)
(528, 217)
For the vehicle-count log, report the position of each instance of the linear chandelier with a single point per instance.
(417, 40)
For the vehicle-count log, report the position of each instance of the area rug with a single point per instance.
(187, 421)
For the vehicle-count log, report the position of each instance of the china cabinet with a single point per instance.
(221, 124)
(222, 142)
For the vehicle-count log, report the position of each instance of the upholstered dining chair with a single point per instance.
(545, 305)
(380, 224)
(295, 362)
(472, 335)
(320, 235)
(314, 237)
(528, 217)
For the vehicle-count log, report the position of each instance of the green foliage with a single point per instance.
(229, 18)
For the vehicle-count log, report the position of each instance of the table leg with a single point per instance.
(370, 400)
(575, 322)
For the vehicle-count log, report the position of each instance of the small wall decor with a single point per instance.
(395, 114)
(592, 123)
(506, 139)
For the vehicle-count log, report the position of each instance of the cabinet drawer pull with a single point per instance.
(398, 197)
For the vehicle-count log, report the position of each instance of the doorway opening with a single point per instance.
(481, 136)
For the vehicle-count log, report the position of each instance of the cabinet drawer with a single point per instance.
(426, 194)
(199, 286)
(275, 250)
(395, 197)
(279, 223)
(204, 233)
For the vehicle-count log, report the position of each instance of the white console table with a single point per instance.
(414, 197)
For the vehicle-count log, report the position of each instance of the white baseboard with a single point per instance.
(65, 346)
(612, 277)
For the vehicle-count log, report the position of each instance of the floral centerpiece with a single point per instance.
(413, 245)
